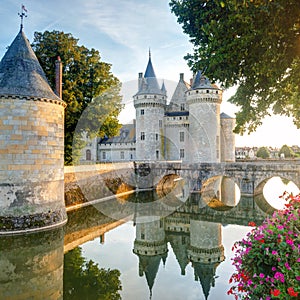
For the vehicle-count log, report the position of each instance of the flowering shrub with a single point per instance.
(267, 261)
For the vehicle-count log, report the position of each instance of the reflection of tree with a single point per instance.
(85, 280)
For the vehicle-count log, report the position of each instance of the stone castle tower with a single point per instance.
(150, 103)
(204, 101)
(32, 143)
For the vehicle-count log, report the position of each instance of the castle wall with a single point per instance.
(113, 152)
(177, 138)
(32, 159)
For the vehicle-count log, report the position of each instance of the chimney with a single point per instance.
(58, 77)
(140, 81)
(181, 76)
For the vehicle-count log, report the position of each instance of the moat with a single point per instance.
(155, 247)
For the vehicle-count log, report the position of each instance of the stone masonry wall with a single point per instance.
(31, 160)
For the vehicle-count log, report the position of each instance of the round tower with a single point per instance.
(204, 101)
(32, 143)
(150, 103)
(227, 138)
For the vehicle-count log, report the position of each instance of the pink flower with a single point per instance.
(279, 276)
(287, 266)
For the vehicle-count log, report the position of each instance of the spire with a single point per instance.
(149, 84)
(20, 72)
(163, 88)
(22, 15)
(149, 70)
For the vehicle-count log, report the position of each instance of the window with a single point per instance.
(103, 155)
(181, 154)
(181, 136)
(157, 154)
(142, 112)
(160, 123)
(122, 155)
(142, 136)
(88, 155)
(156, 136)
(182, 106)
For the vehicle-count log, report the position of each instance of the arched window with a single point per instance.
(88, 154)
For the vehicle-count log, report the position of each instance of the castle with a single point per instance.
(189, 128)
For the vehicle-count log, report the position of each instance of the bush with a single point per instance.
(267, 261)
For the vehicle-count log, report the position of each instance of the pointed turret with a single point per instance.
(163, 88)
(21, 73)
(150, 103)
(149, 83)
(32, 128)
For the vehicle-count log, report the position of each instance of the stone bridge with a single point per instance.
(250, 177)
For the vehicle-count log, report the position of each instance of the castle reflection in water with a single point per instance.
(32, 265)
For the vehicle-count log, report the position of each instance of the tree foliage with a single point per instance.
(263, 152)
(287, 151)
(85, 78)
(253, 44)
(85, 280)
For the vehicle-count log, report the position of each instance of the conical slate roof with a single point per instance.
(21, 74)
(202, 82)
(149, 81)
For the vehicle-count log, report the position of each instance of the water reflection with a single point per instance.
(32, 266)
(86, 280)
(190, 236)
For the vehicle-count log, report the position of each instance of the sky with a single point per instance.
(123, 31)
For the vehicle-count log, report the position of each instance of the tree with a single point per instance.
(263, 152)
(86, 81)
(287, 151)
(85, 280)
(253, 44)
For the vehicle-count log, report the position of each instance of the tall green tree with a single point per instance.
(85, 280)
(287, 151)
(87, 81)
(263, 152)
(254, 44)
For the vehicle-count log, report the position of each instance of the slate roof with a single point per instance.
(21, 73)
(177, 113)
(126, 135)
(179, 95)
(225, 116)
(149, 83)
(202, 82)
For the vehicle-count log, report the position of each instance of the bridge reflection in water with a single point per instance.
(186, 229)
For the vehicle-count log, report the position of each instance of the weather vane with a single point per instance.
(22, 15)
